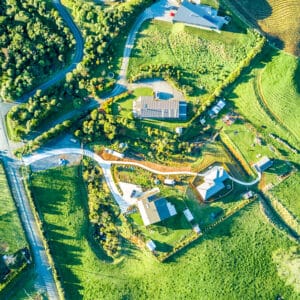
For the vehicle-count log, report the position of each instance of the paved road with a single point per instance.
(45, 278)
(77, 57)
(106, 167)
(157, 10)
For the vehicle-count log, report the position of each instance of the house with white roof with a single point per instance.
(213, 182)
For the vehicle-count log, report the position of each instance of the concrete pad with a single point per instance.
(130, 192)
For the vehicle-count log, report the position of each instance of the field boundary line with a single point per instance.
(264, 103)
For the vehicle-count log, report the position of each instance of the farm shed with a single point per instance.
(151, 245)
(263, 164)
(188, 215)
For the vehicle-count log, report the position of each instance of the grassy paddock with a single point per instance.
(246, 101)
(288, 193)
(204, 58)
(12, 237)
(213, 262)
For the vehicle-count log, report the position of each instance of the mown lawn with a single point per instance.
(12, 237)
(204, 58)
(234, 261)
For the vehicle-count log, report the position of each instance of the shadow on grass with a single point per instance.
(221, 230)
(279, 167)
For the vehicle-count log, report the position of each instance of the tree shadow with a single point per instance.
(128, 248)
(279, 167)
(220, 231)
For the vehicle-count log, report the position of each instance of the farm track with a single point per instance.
(264, 104)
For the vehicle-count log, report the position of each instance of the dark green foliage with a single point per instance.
(33, 42)
(102, 210)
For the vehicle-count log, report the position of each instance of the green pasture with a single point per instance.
(287, 192)
(12, 237)
(204, 58)
(247, 100)
(233, 261)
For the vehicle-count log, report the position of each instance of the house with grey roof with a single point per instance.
(154, 209)
(201, 16)
(213, 182)
(148, 107)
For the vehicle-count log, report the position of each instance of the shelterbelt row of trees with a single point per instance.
(34, 42)
(103, 211)
(101, 28)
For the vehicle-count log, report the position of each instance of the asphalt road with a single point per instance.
(77, 57)
(45, 279)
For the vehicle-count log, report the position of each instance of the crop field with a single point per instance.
(209, 266)
(248, 102)
(12, 236)
(288, 193)
(203, 58)
(280, 19)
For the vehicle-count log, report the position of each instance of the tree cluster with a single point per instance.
(101, 125)
(103, 211)
(34, 42)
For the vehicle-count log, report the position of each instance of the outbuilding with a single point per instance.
(151, 245)
(187, 213)
(263, 164)
(169, 182)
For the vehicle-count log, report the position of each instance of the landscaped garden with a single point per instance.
(210, 266)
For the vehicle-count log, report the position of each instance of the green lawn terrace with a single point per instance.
(201, 58)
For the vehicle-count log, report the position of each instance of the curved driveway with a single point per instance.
(106, 167)
(77, 57)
